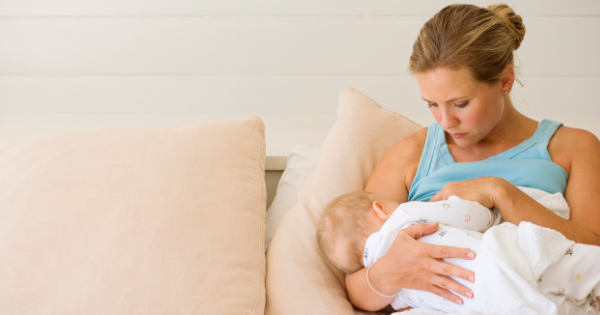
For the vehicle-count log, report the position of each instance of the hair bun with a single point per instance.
(514, 22)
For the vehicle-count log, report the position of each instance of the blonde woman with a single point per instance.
(480, 148)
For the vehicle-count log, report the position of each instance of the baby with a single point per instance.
(358, 228)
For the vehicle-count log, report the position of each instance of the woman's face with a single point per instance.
(468, 110)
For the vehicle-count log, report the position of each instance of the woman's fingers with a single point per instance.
(448, 283)
(440, 251)
(418, 230)
(480, 189)
(438, 196)
(446, 269)
(416, 265)
(445, 192)
(443, 293)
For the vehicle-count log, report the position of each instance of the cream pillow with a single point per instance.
(154, 221)
(300, 162)
(299, 281)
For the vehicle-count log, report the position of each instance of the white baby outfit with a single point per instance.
(525, 269)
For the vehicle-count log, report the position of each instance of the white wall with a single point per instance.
(73, 64)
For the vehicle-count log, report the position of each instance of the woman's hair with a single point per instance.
(462, 35)
(344, 229)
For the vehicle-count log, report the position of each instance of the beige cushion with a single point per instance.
(301, 161)
(156, 221)
(299, 281)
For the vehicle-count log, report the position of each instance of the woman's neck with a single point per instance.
(512, 129)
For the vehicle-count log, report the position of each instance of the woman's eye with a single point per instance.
(461, 105)
(432, 105)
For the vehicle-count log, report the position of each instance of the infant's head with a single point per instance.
(347, 222)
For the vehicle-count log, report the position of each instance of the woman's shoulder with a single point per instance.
(569, 144)
(396, 171)
(411, 146)
(406, 154)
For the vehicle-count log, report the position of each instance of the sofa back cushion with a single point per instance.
(299, 281)
(154, 221)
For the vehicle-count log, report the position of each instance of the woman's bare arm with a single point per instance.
(578, 152)
(413, 265)
(583, 187)
(394, 174)
(388, 178)
(512, 202)
(408, 263)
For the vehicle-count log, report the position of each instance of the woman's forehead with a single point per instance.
(445, 85)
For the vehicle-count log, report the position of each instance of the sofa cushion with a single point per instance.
(154, 221)
(299, 281)
(300, 162)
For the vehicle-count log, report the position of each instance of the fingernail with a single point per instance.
(458, 301)
(470, 255)
(468, 294)
(472, 279)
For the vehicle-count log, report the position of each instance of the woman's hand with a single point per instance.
(483, 190)
(416, 265)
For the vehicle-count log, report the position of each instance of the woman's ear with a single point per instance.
(381, 213)
(508, 78)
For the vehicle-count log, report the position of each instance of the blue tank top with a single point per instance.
(527, 164)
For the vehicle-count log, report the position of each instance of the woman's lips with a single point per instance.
(458, 135)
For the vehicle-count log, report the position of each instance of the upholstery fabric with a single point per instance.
(300, 162)
(149, 221)
(299, 281)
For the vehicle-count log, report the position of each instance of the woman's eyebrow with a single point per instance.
(448, 101)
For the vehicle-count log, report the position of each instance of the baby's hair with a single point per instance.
(344, 218)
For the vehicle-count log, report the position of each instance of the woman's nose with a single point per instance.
(448, 121)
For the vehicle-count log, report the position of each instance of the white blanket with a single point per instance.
(517, 255)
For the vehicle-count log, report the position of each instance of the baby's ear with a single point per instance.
(381, 213)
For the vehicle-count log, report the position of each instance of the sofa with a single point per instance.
(173, 220)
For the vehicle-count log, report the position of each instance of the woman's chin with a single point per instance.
(463, 142)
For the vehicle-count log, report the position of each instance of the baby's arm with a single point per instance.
(454, 212)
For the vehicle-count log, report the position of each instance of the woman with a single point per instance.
(480, 148)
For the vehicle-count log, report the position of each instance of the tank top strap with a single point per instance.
(426, 156)
(535, 147)
(528, 164)
(435, 153)
(546, 129)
